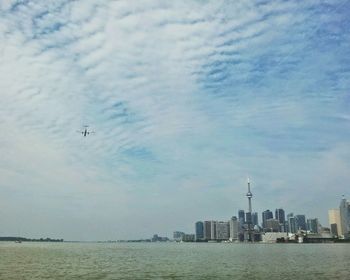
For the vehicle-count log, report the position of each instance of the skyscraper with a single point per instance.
(222, 230)
(272, 225)
(344, 210)
(199, 230)
(334, 230)
(213, 229)
(300, 222)
(241, 218)
(207, 230)
(280, 216)
(312, 225)
(267, 214)
(291, 223)
(234, 228)
(334, 219)
(255, 220)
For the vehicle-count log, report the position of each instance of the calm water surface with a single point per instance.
(173, 261)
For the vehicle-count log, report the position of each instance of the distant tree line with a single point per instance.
(13, 238)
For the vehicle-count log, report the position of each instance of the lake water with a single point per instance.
(173, 261)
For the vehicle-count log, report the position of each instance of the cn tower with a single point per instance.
(249, 214)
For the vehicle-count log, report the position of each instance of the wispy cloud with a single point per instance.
(186, 98)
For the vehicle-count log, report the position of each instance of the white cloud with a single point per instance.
(179, 94)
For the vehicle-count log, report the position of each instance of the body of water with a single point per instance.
(173, 261)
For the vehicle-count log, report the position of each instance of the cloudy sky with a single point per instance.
(187, 99)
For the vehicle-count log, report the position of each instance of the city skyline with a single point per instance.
(186, 100)
(282, 216)
(287, 228)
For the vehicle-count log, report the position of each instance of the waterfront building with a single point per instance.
(177, 235)
(222, 231)
(334, 221)
(188, 238)
(300, 222)
(271, 237)
(291, 223)
(280, 216)
(344, 210)
(241, 218)
(255, 220)
(334, 230)
(234, 228)
(199, 227)
(157, 238)
(207, 230)
(312, 225)
(213, 230)
(267, 214)
(325, 232)
(272, 225)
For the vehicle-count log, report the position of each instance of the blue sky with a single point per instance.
(187, 99)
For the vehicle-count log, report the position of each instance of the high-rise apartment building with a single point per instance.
(207, 230)
(213, 229)
(199, 227)
(234, 228)
(222, 231)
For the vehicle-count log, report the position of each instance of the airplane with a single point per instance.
(85, 132)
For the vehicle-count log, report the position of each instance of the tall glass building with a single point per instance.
(255, 220)
(267, 214)
(344, 210)
(300, 222)
(241, 218)
(280, 216)
(291, 223)
(199, 230)
(312, 225)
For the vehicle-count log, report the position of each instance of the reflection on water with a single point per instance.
(173, 261)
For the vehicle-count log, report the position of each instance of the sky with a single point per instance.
(187, 100)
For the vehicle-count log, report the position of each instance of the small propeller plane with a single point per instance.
(85, 131)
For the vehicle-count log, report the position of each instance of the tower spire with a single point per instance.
(249, 214)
